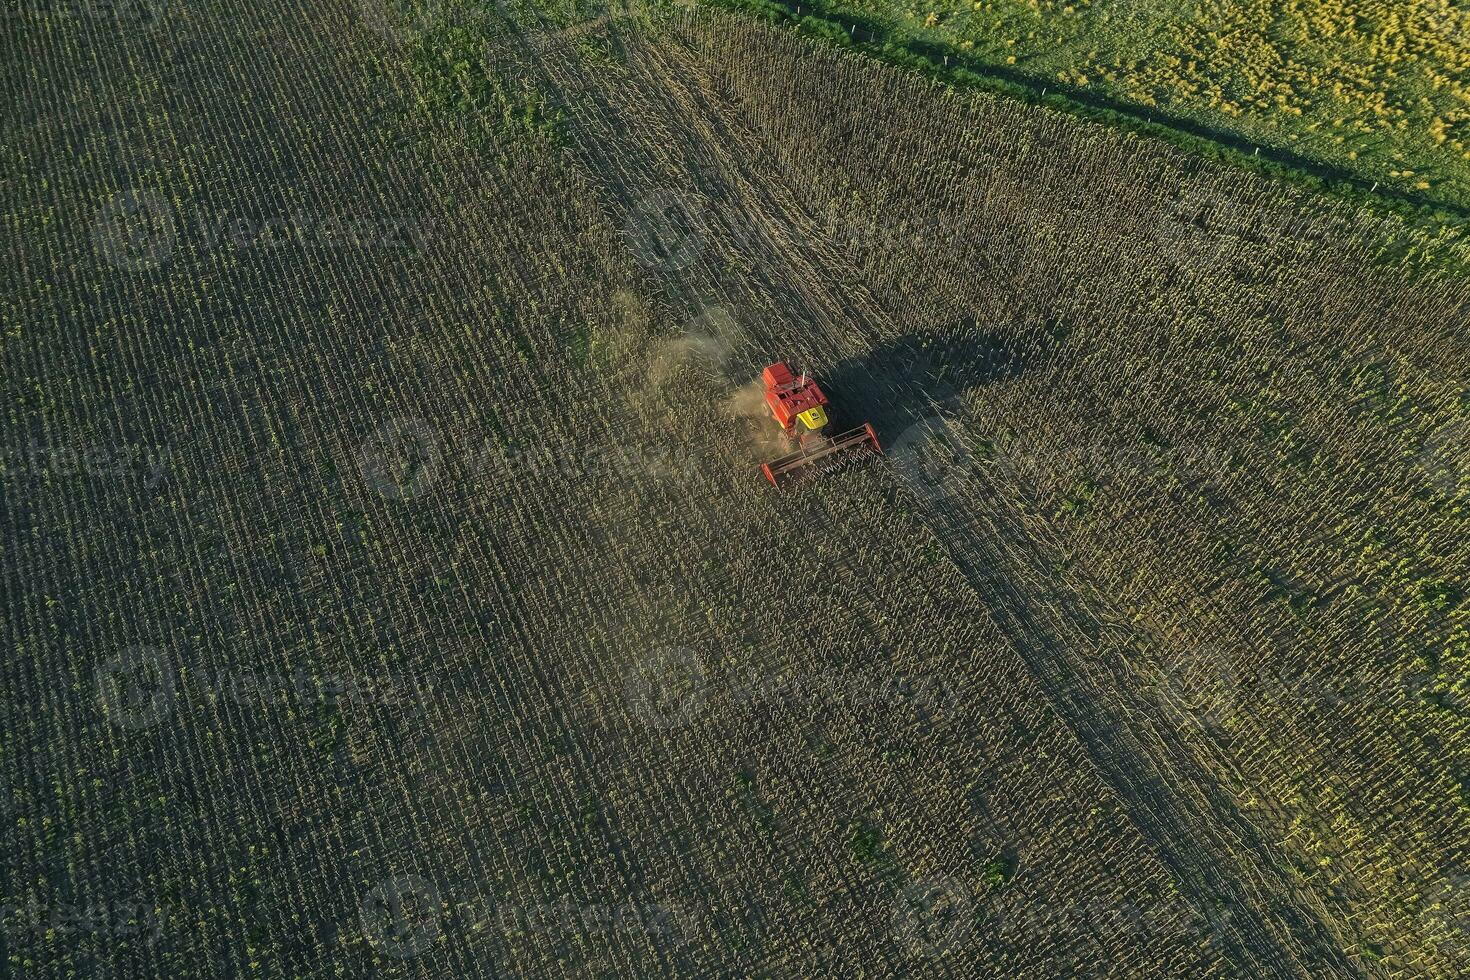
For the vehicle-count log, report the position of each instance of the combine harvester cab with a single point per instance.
(799, 406)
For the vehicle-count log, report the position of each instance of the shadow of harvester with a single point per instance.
(902, 381)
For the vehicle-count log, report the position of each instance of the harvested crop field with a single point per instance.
(392, 590)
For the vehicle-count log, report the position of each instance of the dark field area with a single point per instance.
(391, 589)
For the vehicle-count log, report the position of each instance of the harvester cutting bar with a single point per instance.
(858, 438)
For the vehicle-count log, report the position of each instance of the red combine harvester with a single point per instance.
(799, 406)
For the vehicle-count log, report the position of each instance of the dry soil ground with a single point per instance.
(392, 588)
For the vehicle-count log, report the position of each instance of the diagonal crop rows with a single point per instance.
(394, 590)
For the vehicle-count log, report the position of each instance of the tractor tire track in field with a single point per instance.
(1265, 924)
(1271, 926)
